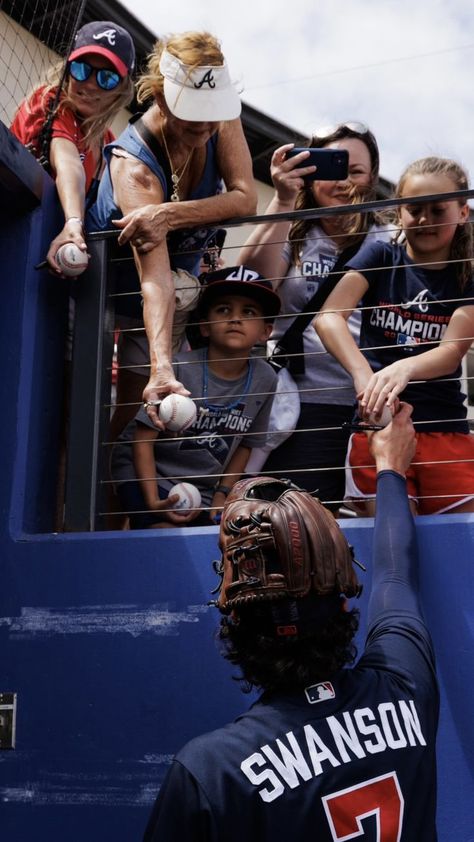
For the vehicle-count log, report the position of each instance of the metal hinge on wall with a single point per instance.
(7, 720)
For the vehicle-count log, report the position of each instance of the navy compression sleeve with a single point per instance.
(395, 553)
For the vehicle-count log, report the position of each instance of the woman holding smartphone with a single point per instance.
(299, 257)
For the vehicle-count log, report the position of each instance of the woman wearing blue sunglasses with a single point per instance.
(66, 123)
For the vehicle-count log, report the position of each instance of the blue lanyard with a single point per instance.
(214, 407)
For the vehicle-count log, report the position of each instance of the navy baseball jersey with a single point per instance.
(408, 306)
(349, 757)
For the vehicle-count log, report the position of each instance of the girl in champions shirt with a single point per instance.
(417, 302)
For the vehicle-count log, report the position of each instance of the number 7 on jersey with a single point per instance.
(380, 796)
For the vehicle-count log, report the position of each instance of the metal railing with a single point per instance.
(87, 474)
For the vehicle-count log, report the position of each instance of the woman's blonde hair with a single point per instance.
(462, 244)
(93, 127)
(193, 49)
(355, 226)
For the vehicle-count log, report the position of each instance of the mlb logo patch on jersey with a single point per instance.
(320, 692)
(403, 339)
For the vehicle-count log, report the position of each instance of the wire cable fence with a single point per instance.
(107, 260)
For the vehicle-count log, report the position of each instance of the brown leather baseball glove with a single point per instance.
(278, 541)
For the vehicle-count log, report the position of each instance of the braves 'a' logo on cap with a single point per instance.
(109, 34)
(207, 79)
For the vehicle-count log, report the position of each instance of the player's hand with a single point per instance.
(393, 448)
(160, 384)
(145, 228)
(288, 180)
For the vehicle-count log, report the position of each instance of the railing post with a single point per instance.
(91, 376)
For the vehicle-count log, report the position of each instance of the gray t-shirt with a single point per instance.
(326, 380)
(239, 414)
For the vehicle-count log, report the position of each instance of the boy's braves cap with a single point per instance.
(204, 93)
(239, 280)
(105, 38)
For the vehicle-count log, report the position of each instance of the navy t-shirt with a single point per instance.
(324, 762)
(409, 306)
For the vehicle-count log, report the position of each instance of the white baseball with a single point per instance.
(384, 419)
(71, 260)
(189, 496)
(177, 412)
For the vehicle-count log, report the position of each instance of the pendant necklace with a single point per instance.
(176, 176)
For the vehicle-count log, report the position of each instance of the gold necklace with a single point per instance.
(175, 175)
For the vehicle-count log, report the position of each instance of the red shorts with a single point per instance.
(440, 477)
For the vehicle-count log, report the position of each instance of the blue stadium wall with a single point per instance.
(107, 638)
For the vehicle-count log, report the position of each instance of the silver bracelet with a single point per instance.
(74, 219)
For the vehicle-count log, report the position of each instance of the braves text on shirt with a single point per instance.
(233, 421)
(301, 756)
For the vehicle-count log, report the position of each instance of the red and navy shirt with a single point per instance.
(29, 121)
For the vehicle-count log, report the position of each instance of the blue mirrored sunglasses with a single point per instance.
(105, 78)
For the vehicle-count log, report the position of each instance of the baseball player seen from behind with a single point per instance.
(326, 753)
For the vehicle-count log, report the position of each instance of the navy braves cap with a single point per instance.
(105, 38)
(239, 280)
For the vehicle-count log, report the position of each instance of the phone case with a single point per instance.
(332, 164)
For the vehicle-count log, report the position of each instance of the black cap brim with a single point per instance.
(263, 295)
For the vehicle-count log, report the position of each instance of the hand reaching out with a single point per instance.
(383, 388)
(159, 385)
(71, 233)
(393, 448)
(145, 228)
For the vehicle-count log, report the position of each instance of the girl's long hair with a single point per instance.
(355, 226)
(93, 127)
(462, 243)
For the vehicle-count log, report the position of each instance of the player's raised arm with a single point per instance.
(395, 549)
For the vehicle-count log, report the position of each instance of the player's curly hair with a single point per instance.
(273, 663)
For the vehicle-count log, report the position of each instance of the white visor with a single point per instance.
(205, 94)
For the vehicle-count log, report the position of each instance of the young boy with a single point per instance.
(233, 392)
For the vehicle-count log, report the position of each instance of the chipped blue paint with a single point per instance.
(100, 619)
